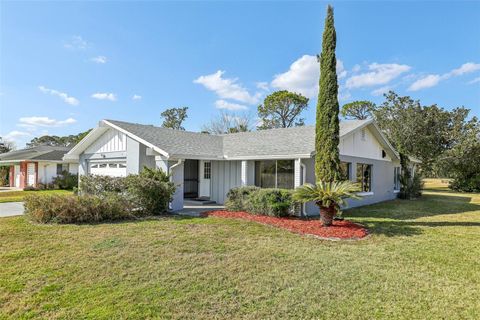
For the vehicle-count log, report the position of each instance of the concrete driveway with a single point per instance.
(10, 209)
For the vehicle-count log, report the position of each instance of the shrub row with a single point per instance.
(106, 198)
(270, 202)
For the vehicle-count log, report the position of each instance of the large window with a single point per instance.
(274, 174)
(396, 178)
(62, 167)
(207, 170)
(364, 176)
(345, 170)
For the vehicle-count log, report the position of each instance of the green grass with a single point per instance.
(15, 196)
(421, 262)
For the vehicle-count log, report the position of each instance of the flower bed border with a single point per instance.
(359, 232)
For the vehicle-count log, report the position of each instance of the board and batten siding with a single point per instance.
(110, 141)
(225, 176)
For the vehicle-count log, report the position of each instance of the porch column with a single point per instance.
(23, 174)
(176, 176)
(244, 173)
(297, 173)
(36, 175)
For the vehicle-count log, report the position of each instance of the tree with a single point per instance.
(359, 110)
(174, 117)
(6, 146)
(282, 109)
(56, 141)
(327, 133)
(228, 123)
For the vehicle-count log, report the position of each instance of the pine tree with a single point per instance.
(327, 133)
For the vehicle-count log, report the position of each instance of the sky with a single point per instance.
(64, 66)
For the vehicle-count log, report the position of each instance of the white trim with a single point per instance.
(270, 157)
(131, 135)
(364, 194)
(396, 191)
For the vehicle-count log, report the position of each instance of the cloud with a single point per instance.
(263, 86)
(379, 74)
(476, 80)
(44, 122)
(227, 88)
(341, 72)
(15, 135)
(381, 90)
(136, 97)
(432, 80)
(64, 96)
(104, 96)
(428, 81)
(76, 43)
(222, 104)
(302, 77)
(99, 59)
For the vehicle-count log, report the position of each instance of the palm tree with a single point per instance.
(328, 196)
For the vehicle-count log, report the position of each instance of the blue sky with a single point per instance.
(65, 66)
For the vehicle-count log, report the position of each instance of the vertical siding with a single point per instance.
(110, 141)
(225, 175)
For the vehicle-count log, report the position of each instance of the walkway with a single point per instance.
(195, 208)
(10, 209)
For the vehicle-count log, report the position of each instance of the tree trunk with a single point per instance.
(326, 215)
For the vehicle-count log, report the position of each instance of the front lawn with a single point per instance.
(15, 196)
(421, 261)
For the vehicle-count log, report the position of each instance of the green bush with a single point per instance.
(470, 183)
(151, 191)
(237, 198)
(77, 209)
(411, 188)
(270, 202)
(65, 180)
(96, 185)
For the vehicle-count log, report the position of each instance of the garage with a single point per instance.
(113, 169)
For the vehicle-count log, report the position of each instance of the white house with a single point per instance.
(208, 166)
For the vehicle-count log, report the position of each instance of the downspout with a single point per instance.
(179, 162)
(304, 178)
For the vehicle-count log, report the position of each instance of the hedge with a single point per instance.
(270, 202)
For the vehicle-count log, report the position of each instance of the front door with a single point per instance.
(205, 176)
(190, 177)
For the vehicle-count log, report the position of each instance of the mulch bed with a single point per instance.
(339, 230)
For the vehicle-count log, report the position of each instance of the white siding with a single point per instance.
(110, 141)
(364, 146)
(225, 176)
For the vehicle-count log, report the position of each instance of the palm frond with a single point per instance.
(327, 193)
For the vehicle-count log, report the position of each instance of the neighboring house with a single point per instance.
(31, 166)
(208, 166)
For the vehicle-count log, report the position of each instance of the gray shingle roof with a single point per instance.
(277, 142)
(44, 153)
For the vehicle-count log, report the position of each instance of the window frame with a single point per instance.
(396, 178)
(349, 169)
(362, 182)
(207, 170)
(258, 178)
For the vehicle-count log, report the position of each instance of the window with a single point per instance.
(207, 170)
(274, 174)
(112, 165)
(122, 165)
(62, 167)
(396, 178)
(364, 176)
(102, 165)
(345, 170)
(363, 135)
(94, 166)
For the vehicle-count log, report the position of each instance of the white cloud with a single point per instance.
(227, 88)
(64, 96)
(302, 77)
(341, 72)
(44, 122)
(77, 42)
(263, 86)
(432, 80)
(99, 59)
(379, 74)
(222, 104)
(104, 96)
(136, 97)
(428, 81)
(465, 68)
(476, 80)
(15, 135)
(356, 68)
(381, 90)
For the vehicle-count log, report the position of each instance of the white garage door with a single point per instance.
(113, 169)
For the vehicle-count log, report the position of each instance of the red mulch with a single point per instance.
(339, 230)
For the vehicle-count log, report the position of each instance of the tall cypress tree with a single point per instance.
(327, 158)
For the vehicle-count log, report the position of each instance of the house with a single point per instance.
(208, 166)
(32, 166)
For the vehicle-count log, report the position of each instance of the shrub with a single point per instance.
(411, 188)
(76, 209)
(464, 183)
(270, 202)
(65, 180)
(237, 198)
(151, 191)
(100, 185)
